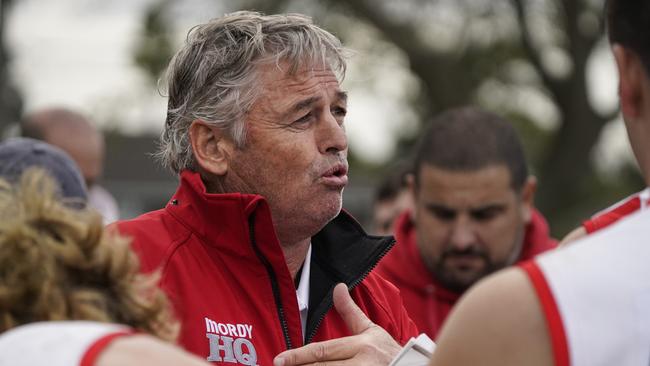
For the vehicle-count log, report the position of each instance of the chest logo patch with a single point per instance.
(230, 343)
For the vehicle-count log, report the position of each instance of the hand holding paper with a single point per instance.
(416, 352)
(369, 344)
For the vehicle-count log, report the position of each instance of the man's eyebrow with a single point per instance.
(491, 206)
(304, 104)
(439, 207)
(341, 96)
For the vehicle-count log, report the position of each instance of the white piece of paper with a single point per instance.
(416, 352)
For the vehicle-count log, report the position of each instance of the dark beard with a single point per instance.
(454, 283)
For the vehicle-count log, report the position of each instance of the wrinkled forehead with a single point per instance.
(277, 82)
(288, 73)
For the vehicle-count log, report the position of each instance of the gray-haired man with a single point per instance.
(254, 241)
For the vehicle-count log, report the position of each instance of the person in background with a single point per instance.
(71, 294)
(474, 214)
(392, 198)
(74, 134)
(254, 241)
(19, 154)
(587, 304)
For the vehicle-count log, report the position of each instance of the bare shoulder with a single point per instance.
(498, 322)
(144, 350)
(575, 234)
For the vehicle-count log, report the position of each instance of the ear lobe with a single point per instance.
(211, 148)
(412, 188)
(528, 197)
(630, 74)
(410, 183)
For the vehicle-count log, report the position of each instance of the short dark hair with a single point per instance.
(469, 138)
(627, 22)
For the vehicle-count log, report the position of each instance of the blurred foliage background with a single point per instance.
(541, 63)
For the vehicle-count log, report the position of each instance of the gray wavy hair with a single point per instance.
(214, 77)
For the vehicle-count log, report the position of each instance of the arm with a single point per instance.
(574, 235)
(498, 322)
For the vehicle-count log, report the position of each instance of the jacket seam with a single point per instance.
(169, 253)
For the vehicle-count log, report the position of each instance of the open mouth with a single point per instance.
(338, 170)
(336, 176)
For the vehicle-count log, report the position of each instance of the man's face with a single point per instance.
(296, 150)
(468, 223)
(386, 212)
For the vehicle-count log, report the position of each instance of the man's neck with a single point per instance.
(294, 251)
(295, 255)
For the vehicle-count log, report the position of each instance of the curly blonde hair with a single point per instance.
(58, 263)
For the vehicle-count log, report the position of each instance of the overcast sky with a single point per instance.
(78, 53)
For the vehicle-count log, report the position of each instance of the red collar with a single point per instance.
(223, 220)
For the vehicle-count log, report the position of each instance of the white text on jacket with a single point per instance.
(230, 343)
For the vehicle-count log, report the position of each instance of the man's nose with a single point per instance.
(332, 134)
(463, 234)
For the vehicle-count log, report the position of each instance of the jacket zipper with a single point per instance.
(352, 285)
(274, 283)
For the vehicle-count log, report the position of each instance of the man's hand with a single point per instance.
(369, 345)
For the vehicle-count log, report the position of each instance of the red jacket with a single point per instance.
(225, 273)
(427, 302)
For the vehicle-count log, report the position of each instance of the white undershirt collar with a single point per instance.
(302, 292)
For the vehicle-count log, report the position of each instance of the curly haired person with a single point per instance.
(71, 293)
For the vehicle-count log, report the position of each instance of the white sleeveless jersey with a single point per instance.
(57, 343)
(595, 295)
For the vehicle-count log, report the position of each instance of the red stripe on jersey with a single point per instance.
(612, 215)
(92, 353)
(551, 313)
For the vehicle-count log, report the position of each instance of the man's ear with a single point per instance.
(211, 147)
(528, 197)
(411, 185)
(630, 79)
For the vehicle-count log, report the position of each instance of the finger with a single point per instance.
(353, 317)
(335, 349)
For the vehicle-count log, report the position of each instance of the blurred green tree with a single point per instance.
(486, 46)
(526, 59)
(153, 49)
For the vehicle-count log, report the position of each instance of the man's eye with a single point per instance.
(445, 215)
(306, 118)
(339, 112)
